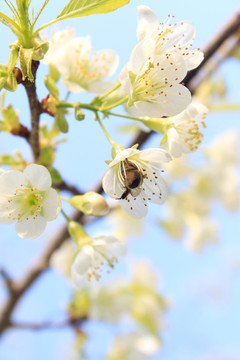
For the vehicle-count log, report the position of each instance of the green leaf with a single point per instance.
(47, 156)
(56, 177)
(77, 8)
(61, 122)
(51, 86)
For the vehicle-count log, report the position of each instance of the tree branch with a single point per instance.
(19, 288)
(35, 109)
(72, 322)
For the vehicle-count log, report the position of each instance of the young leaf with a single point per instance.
(77, 8)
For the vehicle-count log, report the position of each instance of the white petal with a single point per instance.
(174, 68)
(81, 264)
(10, 181)
(154, 156)
(111, 185)
(194, 111)
(147, 22)
(38, 176)
(125, 81)
(101, 87)
(174, 143)
(105, 62)
(154, 187)
(4, 213)
(141, 54)
(73, 86)
(30, 228)
(178, 98)
(175, 36)
(193, 59)
(83, 260)
(51, 205)
(134, 207)
(2, 171)
(111, 245)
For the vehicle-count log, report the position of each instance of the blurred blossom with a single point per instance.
(125, 227)
(63, 257)
(224, 149)
(201, 232)
(81, 71)
(133, 346)
(91, 257)
(183, 130)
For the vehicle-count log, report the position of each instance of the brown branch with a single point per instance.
(68, 187)
(35, 109)
(230, 27)
(69, 322)
(19, 288)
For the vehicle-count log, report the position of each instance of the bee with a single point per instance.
(133, 179)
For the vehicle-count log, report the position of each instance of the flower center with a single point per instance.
(26, 202)
(190, 133)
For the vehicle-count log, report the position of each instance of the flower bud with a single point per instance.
(91, 204)
(79, 115)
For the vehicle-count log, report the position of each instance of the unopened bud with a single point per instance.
(79, 115)
(91, 204)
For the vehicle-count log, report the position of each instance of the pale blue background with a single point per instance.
(200, 327)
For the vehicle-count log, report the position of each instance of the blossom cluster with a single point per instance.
(151, 84)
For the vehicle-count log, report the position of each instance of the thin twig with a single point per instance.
(63, 185)
(43, 262)
(69, 322)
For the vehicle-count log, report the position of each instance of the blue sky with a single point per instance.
(199, 325)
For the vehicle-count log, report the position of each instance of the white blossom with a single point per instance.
(169, 39)
(152, 82)
(56, 44)
(201, 232)
(133, 179)
(81, 71)
(134, 346)
(28, 199)
(183, 134)
(90, 258)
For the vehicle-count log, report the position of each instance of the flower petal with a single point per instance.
(105, 62)
(177, 99)
(111, 245)
(10, 181)
(101, 87)
(51, 205)
(30, 228)
(73, 86)
(154, 187)
(174, 143)
(134, 207)
(175, 36)
(141, 54)
(124, 154)
(147, 22)
(154, 156)
(193, 59)
(125, 81)
(38, 176)
(81, 264)
(111, 185)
